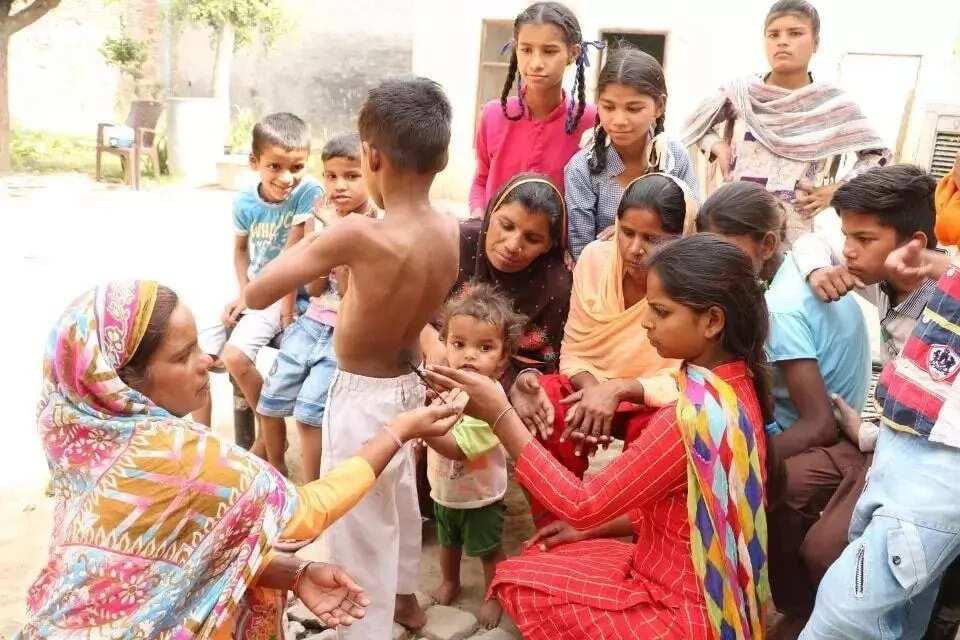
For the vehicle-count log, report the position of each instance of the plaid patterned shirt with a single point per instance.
(592, 200)
(920, 387)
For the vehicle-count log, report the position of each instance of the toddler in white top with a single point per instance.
(467, 467)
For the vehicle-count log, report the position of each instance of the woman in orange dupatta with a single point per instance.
(947, 200)
(610, 377)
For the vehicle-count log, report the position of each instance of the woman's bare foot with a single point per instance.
(489, 614)
(408, 612)
(446, 593)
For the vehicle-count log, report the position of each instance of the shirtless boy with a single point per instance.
(400, 270)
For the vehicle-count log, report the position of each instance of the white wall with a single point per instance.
(321, 69)
(58, 79)
(709, 43)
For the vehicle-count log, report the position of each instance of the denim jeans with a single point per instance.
(904, 534)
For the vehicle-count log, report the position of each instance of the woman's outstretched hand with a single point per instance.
(533, 405)
(330, 593)
(486, 397)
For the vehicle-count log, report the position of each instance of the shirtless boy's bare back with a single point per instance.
(401, 269)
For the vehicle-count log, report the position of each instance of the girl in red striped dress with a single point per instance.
(575, 582)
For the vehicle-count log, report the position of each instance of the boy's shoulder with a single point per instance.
(307, 191)
(248, 196)
(788, 292)
(790, 295)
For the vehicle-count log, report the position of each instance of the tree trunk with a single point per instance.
(5, 135)
(222, 66)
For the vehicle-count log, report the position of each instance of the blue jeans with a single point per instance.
(300, 378)
(904, 534)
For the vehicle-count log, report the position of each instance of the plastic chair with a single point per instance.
(143, 118)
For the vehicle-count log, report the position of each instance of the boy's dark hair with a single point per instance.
(343, 145)
(900, 195)
(633, 68)
(660, 195)
(703, 271)
(408, 120)
(564, 19)
(486, 303)
(800, 8)
(742, 209)
(280, 130)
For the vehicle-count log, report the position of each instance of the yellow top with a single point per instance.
(947, 201)
(324, 500)
(321, 503)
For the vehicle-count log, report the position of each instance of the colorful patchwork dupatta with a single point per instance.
(725, 501)
(160, 526)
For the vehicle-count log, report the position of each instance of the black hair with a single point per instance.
(408, 120)
(703, 271)
(486, 303)
(800, 8)
(742, 209)
(564, 19)
(660, 195)
(634, 68)
(900, 195)
(134, 372)
(536, 197)
(280, 130)
(342, 145)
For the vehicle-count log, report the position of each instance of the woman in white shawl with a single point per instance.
(784, 129)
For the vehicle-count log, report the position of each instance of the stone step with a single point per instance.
(448, 623)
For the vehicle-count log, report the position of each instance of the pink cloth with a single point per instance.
(508, 147)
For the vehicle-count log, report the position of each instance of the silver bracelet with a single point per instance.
(505, 411)
(395, 438)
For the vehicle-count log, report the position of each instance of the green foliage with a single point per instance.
(240, 139)
(126, 53)
(248, 17)
(44, 152)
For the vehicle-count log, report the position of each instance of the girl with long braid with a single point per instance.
(538, 129)
(628, 142)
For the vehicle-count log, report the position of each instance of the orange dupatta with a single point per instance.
(604, 338)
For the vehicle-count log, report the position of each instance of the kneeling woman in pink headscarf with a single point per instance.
(162, 529)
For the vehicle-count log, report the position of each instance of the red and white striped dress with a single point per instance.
(606, 589)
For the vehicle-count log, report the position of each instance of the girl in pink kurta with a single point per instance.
(539, 129)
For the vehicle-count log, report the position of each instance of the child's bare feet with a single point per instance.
(446, 593)
(408, 612)
(489, 614)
